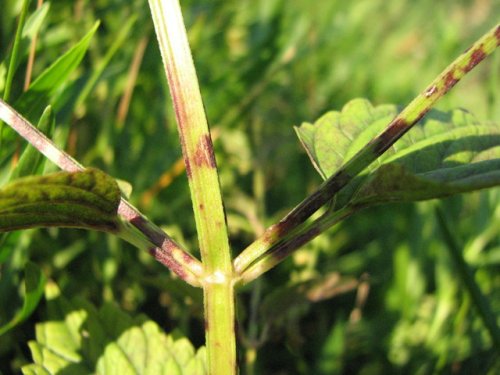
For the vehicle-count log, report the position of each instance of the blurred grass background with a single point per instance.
(377, 294)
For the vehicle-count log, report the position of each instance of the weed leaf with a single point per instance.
(77, 338)
(50, 81)
(34, 284)
(87, 199)
(446, 153)
(31, 160)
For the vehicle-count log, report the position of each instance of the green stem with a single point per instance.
(375, 148)
(300, 236)
(135, 225)
(201, 169)
(466, 274)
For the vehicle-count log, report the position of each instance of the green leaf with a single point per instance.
(87, 199)
(446, 153)
(35, 21)
(337, 136)
(79, 339)
(31, 159)
(53, 78)
(34, 285)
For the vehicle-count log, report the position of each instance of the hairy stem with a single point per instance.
(201, 169)
(303, 234)
(161, 246)
(375, 148)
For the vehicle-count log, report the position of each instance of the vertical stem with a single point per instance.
(201, 169)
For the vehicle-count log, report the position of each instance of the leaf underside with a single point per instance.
(446, 153)
(87, 199)
(77, 339)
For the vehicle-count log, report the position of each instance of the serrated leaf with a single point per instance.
(446, 153)
(337, 136)
(79, 339)
(87, 199)
(34, 284)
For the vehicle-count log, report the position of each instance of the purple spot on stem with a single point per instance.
(497, 35)
(476, 57)
(188, 259)
(204, 153)
(188, 168)
(278, 229)
(166, 259)
(449, 81)
(293, 245)
(385, 140)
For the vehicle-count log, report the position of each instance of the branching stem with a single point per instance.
(158, 243)
(375, 148)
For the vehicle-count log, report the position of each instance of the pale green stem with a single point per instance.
(197, 148)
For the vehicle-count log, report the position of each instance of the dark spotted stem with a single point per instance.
(201, 169)
(300, 236)
(135, 228)
(376, 147)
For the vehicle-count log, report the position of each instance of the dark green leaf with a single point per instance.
(87, 199)
(34, 285)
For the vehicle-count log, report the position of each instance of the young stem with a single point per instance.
(303, 234)
(376, 147)
(201, 169)
(160, 245)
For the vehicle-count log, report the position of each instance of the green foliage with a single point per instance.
(31, 160)
(447, 153)
(265, 65)
(86, 199)
(47, 84)
(34, 285)
(77, 338)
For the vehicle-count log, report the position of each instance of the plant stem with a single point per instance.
(280, 250)
(479, 299)
(201, 169)
(375, 148)
(160, 245)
